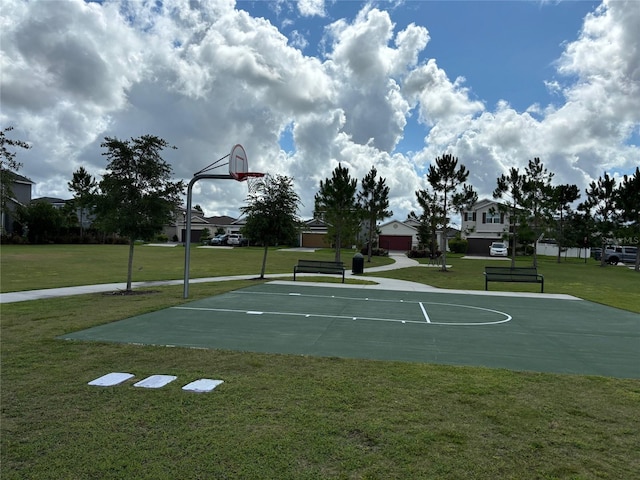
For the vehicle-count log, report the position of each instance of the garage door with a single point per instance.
(479, 246)
(395, 242)
(314, 240)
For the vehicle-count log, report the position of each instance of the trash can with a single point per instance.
(357, 264)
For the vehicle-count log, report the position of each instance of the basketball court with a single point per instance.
(529, 333)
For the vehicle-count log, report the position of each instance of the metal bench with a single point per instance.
(318, 266)
(512, 274)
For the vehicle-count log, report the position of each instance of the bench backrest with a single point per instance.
(511, 271)
(320, 263)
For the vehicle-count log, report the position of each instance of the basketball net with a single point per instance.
(252, 179)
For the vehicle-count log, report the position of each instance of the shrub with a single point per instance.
(457, 245)
(162, 238)
(375, 252)
(418, 253)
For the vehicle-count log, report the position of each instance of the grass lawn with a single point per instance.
(286, 416)
(616, 286)
(33, 267)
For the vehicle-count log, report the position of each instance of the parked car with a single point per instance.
(234, 239)
(498, 249)
(219, 240)
(617, 254)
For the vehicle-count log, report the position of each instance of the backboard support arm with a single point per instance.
(187, 239)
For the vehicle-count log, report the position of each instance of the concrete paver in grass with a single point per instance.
(532, 333)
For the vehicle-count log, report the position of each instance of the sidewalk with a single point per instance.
(401, 261)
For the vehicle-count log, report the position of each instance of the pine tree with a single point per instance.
(512, 186)
(84, 187)
(600, 206)
(374, 202)
(336, 204)
(445, 177)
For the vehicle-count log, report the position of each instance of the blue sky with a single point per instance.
(305, 85)
(505, 50)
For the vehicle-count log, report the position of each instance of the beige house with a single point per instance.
(176, 231)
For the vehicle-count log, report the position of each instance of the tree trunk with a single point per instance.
(338, 246)
(443, 239)
(264, 259)
(130, 266)
(372, 225)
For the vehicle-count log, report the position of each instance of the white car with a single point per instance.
(234, 239)
(498, 249)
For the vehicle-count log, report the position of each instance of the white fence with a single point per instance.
(551, 250)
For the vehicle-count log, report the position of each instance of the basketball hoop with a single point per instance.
(252, 179)
(238, 170)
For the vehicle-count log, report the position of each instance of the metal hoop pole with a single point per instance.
(187, 245)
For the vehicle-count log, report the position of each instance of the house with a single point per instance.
(21, 189)
(177, 229)
(314, 234)
(397, 235)
(482, 225)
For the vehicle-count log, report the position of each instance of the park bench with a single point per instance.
(512, 274)
(318, 266)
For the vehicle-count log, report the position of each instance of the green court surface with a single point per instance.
(528, 333)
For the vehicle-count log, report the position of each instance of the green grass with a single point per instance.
(34, 267)
(286, 416)
(614, 286)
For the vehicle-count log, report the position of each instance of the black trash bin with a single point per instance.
(357, 264)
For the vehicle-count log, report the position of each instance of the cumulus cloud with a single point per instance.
(207, 75)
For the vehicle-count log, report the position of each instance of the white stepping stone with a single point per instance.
(155, 381)
(203, 385)
(110, 379)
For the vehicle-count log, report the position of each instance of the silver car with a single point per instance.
(498, 249)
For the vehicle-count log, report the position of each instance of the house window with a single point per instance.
(492, 217)
(469, 216)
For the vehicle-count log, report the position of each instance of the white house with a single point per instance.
(482, 225)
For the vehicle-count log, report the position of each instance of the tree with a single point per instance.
(600, 205)
(430, 218)
(628, 201)
(272, 213)
(446, 178)
(8, 168)
(512, 186)
(562, 196)
(41, 221)
(537, 199)
(137, 196)
(83, 186)
(336, 204)
(374, 202)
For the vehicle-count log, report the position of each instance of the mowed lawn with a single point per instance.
(285, 416)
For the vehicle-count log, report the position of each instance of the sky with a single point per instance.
(306, 85)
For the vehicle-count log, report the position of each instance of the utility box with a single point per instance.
(357, 264)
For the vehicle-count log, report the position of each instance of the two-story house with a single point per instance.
(482, 225)
(21, 189)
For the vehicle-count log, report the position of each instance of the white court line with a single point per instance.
(507, 318)
(424, 312)
(306, 315)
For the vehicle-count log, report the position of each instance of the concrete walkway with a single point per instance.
(401, 261)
